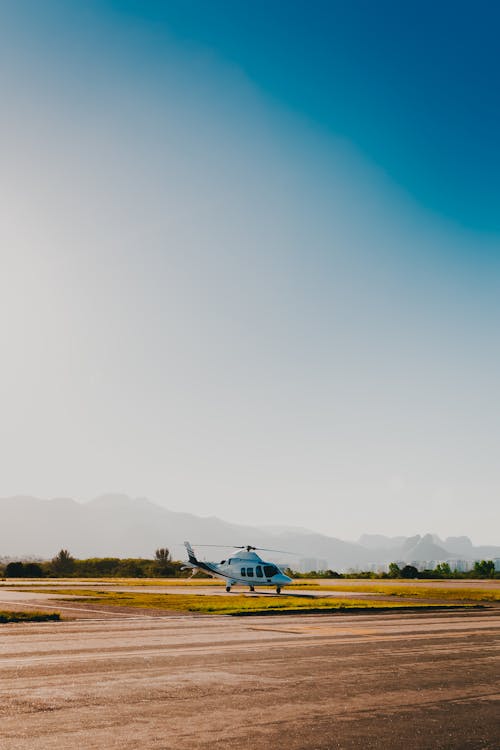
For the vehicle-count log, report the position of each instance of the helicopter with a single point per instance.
(243, 567)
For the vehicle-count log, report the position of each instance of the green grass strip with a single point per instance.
(29, 617)
(232, 604)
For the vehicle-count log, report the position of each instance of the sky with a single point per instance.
(250, 259)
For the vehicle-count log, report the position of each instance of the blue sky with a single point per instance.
(251, 259)
(414, 86)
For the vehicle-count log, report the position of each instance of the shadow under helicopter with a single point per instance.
(258, 594)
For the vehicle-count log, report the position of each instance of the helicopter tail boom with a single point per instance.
(191, 555)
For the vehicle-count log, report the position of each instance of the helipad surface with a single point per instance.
(133, 681)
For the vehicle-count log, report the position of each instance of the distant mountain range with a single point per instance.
(120, 526)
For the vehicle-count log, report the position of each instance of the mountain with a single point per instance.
(425, 549)
(114, 525)
(380, 542)
(460, 545)
(120, 526)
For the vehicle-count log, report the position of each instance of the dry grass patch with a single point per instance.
(451, 594)
(232, 604)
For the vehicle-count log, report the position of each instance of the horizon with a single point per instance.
(443, 536)
(251, 259)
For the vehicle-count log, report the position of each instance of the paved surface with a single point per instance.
(175, 583)
(308, 682)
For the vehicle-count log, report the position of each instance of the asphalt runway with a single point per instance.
(311, 682)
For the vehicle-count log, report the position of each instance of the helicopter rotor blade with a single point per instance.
(247, 547)
(220, 546)
(281, 551)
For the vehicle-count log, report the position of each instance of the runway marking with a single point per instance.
(39, 605)
(317, 629)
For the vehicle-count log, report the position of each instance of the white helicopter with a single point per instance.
(244, 567)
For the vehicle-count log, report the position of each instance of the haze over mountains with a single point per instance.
(120, 526)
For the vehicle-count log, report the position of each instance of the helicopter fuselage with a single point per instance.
(244, 567)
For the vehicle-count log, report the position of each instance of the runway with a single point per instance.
(309, 682)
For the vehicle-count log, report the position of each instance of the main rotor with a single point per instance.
(247, 547)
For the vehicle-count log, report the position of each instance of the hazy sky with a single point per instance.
(250, 259)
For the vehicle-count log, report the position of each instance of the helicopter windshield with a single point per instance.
(270, 570)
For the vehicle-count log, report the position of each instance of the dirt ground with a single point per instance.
(129, 680)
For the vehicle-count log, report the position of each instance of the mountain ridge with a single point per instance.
(117, 525)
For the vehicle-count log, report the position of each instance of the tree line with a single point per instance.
(64, 565)
(481, 569)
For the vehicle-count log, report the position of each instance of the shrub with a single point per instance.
(14, 570)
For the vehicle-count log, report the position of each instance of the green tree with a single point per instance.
(14, 570)
(162, 555)
(484, 569)
(163, 562)
(409, 571)
(443, 569)
(63, 564)
(332, 574)
(394, 570)
(32, 570)
(131, 568)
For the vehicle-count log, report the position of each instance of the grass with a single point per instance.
(399, 589)
(29, 616)
(402, 594)
(234, 604)
(419, 592)
(116, 581)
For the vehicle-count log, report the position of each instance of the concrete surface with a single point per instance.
(310, 682)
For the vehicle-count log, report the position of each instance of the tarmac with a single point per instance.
(128, 679)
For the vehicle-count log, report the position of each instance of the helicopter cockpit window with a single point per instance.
(270, 570)
(243, 572)
(250, 572)
(258, 571)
